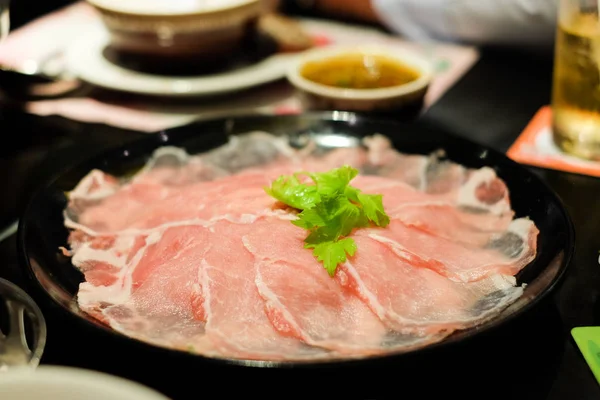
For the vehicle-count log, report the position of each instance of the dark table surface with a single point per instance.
(535, 358)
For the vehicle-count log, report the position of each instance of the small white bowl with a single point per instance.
(316, 96)
(49, 382)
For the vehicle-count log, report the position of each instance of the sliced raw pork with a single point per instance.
(411, 299)
(191, 253)
(228, 300)
(149, 294)
(302, 300)
(507, 255)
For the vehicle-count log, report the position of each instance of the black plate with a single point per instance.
(41, 229)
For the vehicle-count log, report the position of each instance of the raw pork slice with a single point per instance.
(228, 300)
(507, 255)
(438, 214)
(430, 174)
(147, 204)
(452, 223)
(149, 295)
(302, 300)
(483, 192)
(411, 299)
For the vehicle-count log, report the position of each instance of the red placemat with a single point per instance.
(535, 146)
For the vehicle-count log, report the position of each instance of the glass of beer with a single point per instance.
(576, 82)
(4, 19)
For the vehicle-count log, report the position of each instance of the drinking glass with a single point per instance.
(4, 19)
(19, 314)
(576, 82)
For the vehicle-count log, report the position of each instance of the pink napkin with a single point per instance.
(56, 31)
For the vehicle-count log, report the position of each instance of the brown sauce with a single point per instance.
(359, 71)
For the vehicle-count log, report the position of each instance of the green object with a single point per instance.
(442, 66)
(330, 209)
(588, 341)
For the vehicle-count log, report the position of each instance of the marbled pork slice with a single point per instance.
(450, 222)
(145, 205)
(150, 297)
(412, 299)
(301, 299)
(506, 255)
(236, 321)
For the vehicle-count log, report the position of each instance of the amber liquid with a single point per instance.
(4, 21)
(359, 71)
(576, 87)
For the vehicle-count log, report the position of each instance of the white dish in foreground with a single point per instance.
(85, 59)
(68, 383)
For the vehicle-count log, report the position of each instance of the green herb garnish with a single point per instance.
(330, 209)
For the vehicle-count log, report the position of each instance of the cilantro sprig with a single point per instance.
(330, 209)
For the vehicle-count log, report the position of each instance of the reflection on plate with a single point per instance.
(87, 59)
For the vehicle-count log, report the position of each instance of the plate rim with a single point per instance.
(565, 263)
(85, 51)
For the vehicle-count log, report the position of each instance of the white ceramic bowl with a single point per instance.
(178, 28)
(316, 96)
(68, 383)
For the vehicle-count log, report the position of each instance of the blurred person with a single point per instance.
(520, 23)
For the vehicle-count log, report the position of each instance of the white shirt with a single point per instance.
(496, 22)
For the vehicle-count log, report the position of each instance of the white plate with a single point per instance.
(51, 382)
(84, 59)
